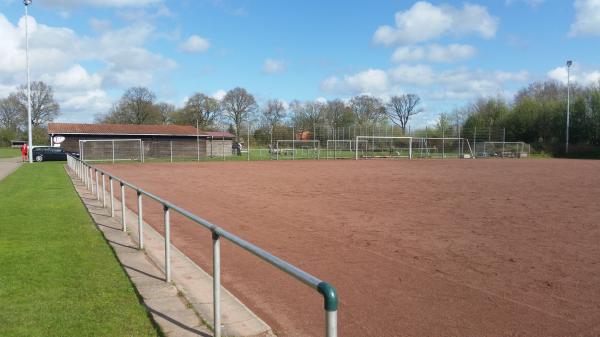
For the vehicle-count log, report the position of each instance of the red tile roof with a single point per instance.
(130, 129)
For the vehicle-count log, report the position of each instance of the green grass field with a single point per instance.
(58, 277)
(8, 152)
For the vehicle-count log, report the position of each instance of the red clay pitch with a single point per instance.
(414, 248)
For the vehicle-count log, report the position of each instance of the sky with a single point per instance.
(448, 52)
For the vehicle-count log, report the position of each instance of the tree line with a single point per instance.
(138, 105)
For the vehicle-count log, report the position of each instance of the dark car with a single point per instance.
(49, 153)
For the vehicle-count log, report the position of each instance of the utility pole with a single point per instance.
(29, 137)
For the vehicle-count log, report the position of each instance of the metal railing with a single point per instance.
(91, 176)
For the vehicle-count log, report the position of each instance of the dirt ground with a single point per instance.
(415, 248)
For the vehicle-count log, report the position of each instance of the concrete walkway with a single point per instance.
(183, 307)
(8, 166)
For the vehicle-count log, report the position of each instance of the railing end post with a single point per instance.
(330, 297)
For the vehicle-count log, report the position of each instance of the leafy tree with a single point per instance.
(136, 106)
(11, 114)
(368, 110)
(200, 109)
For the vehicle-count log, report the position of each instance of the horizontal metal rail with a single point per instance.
(327, 291)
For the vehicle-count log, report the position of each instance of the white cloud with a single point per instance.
(219, 94)
(273, 67)
(434, 53)
(587, 18)
(194, 44)
(425, 21)
(100, 3)
(578, 75)
(460, 83)
(57, 55)
(371, 81)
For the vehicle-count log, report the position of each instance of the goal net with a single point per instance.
(342, 148)
(383, 147)
(111, 150)
(446, 147)
(297, 149)
(503, 149)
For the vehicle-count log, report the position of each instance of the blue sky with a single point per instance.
(448, 52)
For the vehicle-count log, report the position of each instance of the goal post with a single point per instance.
(112, 150)
(383, 147)
(442, 147)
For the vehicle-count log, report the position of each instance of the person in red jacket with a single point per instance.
(24, 153)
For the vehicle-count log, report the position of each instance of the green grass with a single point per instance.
(58, 277)
(8, 152)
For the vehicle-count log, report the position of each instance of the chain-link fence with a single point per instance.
(292, 143)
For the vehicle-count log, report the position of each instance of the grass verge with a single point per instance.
(8, 152)
(58, 276)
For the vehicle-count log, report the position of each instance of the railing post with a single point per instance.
(123, 212)
(103, 192)
(140, 221)
(167, 244)
(91, 175)
(216, 284)
(112, 197)
(330, 300)
(97, 186)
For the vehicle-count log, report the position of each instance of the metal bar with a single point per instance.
(103, 192)
(123, 209)
(112, 197)
(97, 187)
(216, 284)
(140, 221)
(331, 323)
(167, 245)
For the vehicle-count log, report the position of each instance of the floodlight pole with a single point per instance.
(569, 63)
(29, 138)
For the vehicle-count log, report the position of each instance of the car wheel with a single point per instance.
(39, 158)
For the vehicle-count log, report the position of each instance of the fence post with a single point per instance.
(140, 221)
(475, 142)
(167, 244)
(103, 191)
(171, 145)
(97, 187)
(216, 284)
(112, 197)
(91, 176)
(123, 212)
(113, 151)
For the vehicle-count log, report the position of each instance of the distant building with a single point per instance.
(154, 137)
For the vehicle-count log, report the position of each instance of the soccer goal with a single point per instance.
(297, 149)
(371, 147)
(442, 147)
(111, 150)
(505, 149)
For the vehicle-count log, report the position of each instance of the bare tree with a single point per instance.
(199, 110)
(367, 109)
(401, 108)
(11, 114)
(44, 108)
(307, 115)
(165, 111)
(237, 106)
(273, 113)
